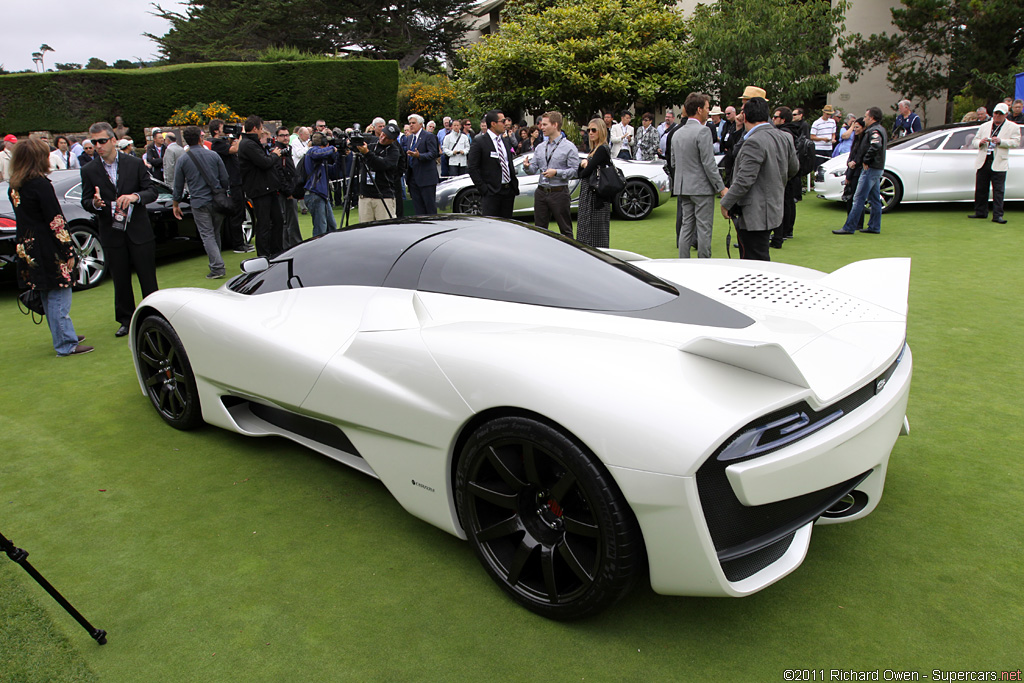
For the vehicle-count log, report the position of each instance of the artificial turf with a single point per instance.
(209, 556)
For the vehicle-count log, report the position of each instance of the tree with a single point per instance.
(581, 56)
(406, 30)
(96, 63)
(43, 49)
(779, 45)
(944, 47)
(124, 64)
(67, 66)
(37, 57)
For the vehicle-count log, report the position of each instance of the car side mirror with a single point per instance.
(255, 265)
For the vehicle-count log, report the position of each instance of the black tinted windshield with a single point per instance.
(511, 262)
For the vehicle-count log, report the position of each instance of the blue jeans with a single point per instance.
(208, 225)
(322, 213)
(57, 306)
(867, 190)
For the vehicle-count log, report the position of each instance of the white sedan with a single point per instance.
(936, 165)
(579, 416)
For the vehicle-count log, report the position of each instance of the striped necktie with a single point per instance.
(505, 177)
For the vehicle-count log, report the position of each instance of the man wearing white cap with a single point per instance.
(994, 140)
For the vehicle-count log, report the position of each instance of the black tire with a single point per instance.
(892, 191)
(636, 201)
(167, 374)
(545, 519)
(468, 201)
(92, 260)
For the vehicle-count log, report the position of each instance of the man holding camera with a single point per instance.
(319, 165)
(378, 175)
(261, 181)
(226, 146)
(289, 204)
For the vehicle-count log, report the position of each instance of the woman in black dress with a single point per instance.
(594, 215)
(45, 256)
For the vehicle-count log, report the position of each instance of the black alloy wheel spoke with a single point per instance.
(563, 485)
(149, 360)
(155, 379)
(508, 501)
(579, 527)
(500, 530)
(530, 465)
(547, 565)
(566, 553)
(509, 477)
(522, 555)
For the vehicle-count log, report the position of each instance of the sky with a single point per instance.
(108, 29)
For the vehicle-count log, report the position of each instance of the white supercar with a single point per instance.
(571, 412)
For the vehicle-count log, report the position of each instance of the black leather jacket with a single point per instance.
(875, 140)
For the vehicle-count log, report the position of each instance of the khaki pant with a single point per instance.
(372, 209)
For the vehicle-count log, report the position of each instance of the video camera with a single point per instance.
(346, 141)
(232, 130)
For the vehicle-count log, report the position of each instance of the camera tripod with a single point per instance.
(353, 188)
(19, 556)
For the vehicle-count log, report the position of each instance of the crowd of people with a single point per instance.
(764, 156)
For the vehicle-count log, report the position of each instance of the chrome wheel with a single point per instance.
(166, 374)
(891, 191)
(468, 201)
(636, 201)
(92, 263)
(545, 520)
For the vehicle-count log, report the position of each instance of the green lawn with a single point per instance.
(208, 556)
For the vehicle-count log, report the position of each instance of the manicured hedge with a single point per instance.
(342, 92)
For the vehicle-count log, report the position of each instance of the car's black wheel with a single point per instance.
(636, 201)
(167, 374)
(545, 519)
(247, 223)
(891, 190)
(92, 259)
(468, 201)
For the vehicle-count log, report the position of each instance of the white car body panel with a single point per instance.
(934, 167)
(401, 373)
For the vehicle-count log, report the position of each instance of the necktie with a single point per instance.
(505, 177)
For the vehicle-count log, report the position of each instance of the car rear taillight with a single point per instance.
(8, 223)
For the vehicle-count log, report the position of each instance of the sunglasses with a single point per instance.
(101, 141)
(593, 130)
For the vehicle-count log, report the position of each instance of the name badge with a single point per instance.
(494, 155)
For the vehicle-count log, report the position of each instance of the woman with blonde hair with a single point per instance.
(592, 221)
(45, 256)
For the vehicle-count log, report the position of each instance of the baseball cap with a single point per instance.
(123, 144)
(391, 131)
(10, 138)
(1000, 108)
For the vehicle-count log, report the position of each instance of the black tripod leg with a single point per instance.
(20, 557)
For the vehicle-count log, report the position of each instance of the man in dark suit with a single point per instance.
(116, 187)
(490, 167)
(155, 155)
(421, 178)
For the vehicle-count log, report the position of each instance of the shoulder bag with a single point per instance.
(221, 201)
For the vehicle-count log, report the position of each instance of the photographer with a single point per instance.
(225, 144)
(261, 182)
(319, 165)
(377, 177)
(289, 204)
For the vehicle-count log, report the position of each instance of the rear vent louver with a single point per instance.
(777, 290)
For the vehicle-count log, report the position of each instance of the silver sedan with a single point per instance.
(647, 186)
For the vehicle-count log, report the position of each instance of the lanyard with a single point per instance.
(547, 159)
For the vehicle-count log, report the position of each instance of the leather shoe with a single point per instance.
(81, 338)
(79, 350)
(872, 232)
(121, 331)
(842, 232)
(974, 215)
(1000, 221)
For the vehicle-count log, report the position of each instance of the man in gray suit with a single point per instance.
(765, 163)
(696, 179)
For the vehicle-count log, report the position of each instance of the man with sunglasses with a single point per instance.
(117, 189)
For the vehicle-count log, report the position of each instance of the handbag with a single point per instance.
(607, 181)
(30, 302)
(222, 203)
